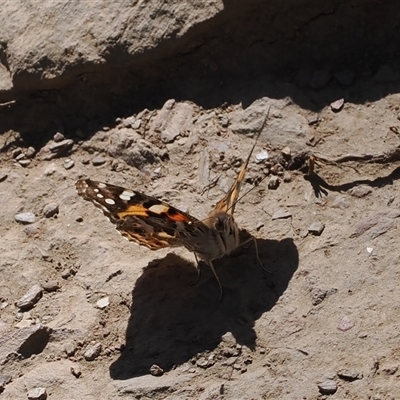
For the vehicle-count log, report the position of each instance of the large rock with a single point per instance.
(57, 38)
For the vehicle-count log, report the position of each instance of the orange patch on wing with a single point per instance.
(178, 217)
(138, 210)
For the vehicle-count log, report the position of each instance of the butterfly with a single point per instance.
(155, 224)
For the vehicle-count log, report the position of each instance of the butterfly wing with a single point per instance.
(140, 218)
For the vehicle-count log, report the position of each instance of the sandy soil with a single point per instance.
(326, 313)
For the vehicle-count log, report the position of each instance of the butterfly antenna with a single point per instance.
(244, 167)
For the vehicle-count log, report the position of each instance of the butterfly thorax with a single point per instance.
(220, 239)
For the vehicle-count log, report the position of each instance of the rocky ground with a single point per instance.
(85, 314)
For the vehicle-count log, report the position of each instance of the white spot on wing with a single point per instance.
(126, 195)
(99, 195)
(95, 189)
(110, 201)
(158, 208)
(101, 185)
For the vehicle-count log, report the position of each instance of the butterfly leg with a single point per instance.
(216, 277)
(198, 270)
(252, 238)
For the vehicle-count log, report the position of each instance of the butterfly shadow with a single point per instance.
(173, 319)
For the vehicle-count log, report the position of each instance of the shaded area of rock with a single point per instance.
(344, 77)
(3, 176)
(273, 183)
(98, 160)
(76, 370)
(319, 79)
(24, 341)
(135, 151)
(4, 379)
(349, 375)
(70, 347)
(55, 149)
(386, 74)
(68, 163)
(50, 210)
(155, 370)
(327, 387)
(316, 228)
(37, 394)
(30, 298)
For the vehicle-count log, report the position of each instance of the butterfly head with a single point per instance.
(226, 228)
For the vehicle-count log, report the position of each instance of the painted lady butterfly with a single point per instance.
(155, 224)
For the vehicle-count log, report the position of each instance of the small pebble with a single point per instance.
(316, 228)
(287, 177)
(128, 122)
(273, 182)
(30, 298)
(4, 380)
(169, 135)
(136, 124)
(58, 137)
(360, 191)
(30, 152)
(79, 218)
(66, 273)
(3, 176)
(281, 214)
(349, 375)
(92, 352)
(98, 160)
(262, 156)
(68, 163)
(20, 157)
(51, 286)
(103, 303)
(313, 119)
(155, 370)
(70, 348)
(277, 169)
(286, 151)
(345, 324)
(76, 371)
(202, 362)
(16, 152)
(50, 209)
(37, 394)
(327, 387)
(24, 163)
(25, 218)
(337, 105)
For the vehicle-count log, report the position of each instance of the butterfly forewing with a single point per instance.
(141, 218)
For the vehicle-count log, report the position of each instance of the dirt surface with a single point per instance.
(328, 305)
(85, 314)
